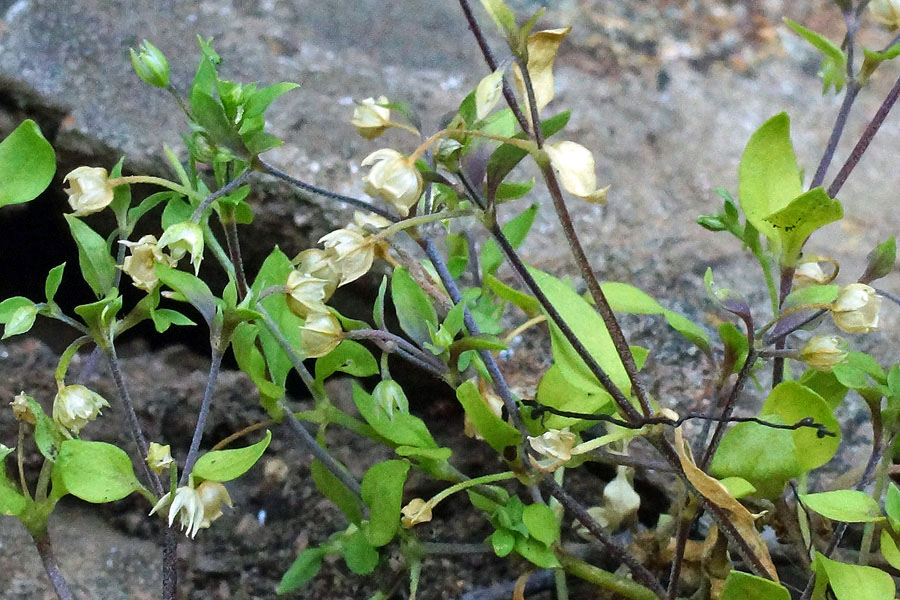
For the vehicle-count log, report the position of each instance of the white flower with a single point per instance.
(555, 443)
(320, 334)
(823, 352)
(394, 179)
(305, 294)
(187, 506)
(89, 190)
(320, 264)
(575, 165)
(75, 406)
(856, 308)
(809, 273)
(140, 265)
(213, 496)
(183, 238)
(353, 253)
(886, 12)
(370, 119)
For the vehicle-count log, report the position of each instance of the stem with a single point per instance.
(239, 434)
(638, 571)
(849, 97)
(48, 558)
(20, 461)
(483, 480)
(271, 170)
(420, 220)
(865, 139)
(336, 468)
(869, 530)
(681, 538)
(390, 342)
(203, 415)
(234, 253)
(729, 405)
(492, 64)
(170, 564)
(621, 586)
(156, 181)
(787, 280)
(222, 191)
(537, 133)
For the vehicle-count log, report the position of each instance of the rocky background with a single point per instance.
(665, 92)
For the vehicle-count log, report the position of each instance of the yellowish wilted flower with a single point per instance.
(353, 254)
(809, 273)
(555, 443)
(21, 410)
(159, 457)
(886, 12)
(75, 406)
(575, 165)
(364, 222)
(89, 190)
(856, 308)
(370, 119)
(213, 496)
(394, 179)
(320, 334)
(823, 352)
(305, 294)
(488, 93)
(319, 263)
(542, 49)
(417, 511)
(141, 264)
(183, 238)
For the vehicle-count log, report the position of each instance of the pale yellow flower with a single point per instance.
(823, 352)
(886, 12)
(305, 294)
(141, 264)
(320, 264)
(89, 190)
(555, 443)
(213, 496)
(856, 308)
(186, 506)
(320, 334)
(542, 49)
(488, 93)
(159, 457)
(181, 239)
(353, 254)
(21, 410)
(370, 119)
(575, 165)
(75, 406)
(417, 511)
(394, 179)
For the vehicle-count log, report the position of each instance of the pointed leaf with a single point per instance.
(800, 218)
(27, 164)
(382, 491)
(97, 266)
(414, 309)
(225, 465)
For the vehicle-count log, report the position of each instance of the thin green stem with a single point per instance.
(463, 485)
(621, 586)
(416, 221)
(175, 187)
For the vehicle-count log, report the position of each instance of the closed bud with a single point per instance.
(89, 190)
(620, 499)
(370, 119)
(150, 65)
(21, 410)
(213, 496)
(823, 352)
(389, 395)
(183, 238)
(856, 309)
(159, 457)
(575, 165)
(320, 334)
(75, 406)
(305, 294)
(394, 179)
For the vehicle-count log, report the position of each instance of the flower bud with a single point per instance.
(150, 65)
(183, 238)
(886, 12)
(159, 457)
(319, 264)
(823, 352)
(448, 153)
(555, 443)
(89, 190)
(320, 334)
(21, 410)
(305, 294)
(394, 179)
(488, 93)
(75, 406)
(353, 254)
(856, 309)
(417, 511)
(370, 119)
(213, 496)
(809, 273)
(575, 165)
(140, 265)
(387, 395)
(620, 499)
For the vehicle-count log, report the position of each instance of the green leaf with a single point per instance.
(768, 174)
(835, 58)
(892, 506)
(20, 321)
(542, 523)
(27, 164)
(854, 582)
(872, 59)
(349, 357)
(47, 436)
(738, 487)
(555, 391)
(793, 402)
(503, 17)
(210, 115)
(736, 347)
(51, 284)
(589, 329)
(505, 158)
(10, 306)
(382, 491)
(495, 431)
(848, 506)
(225, 465)
(304, 568)
(96, 472)
(360, 556)
(11, 501)
(536, 552)
(333, 489)
(814, 294)
(889, 549)
(800, 218)
(402, 429)
(163, 318)
(436, 454)
(513, 190)
(194, 290)
(502, 541)
(260, 100)
(743, 586)
(526, 302)
(824, 384)
(378, 307)
(97, 266)
(414, 309)
(515, 231)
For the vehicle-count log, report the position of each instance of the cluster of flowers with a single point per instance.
(348, 254)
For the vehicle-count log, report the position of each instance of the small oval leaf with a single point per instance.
(225, 465)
